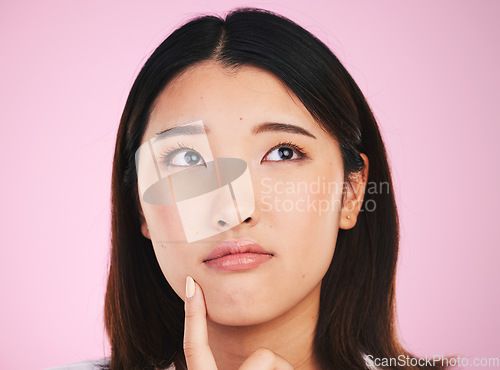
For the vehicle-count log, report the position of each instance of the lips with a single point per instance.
(237, 255)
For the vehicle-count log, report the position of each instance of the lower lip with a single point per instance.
(238, 262)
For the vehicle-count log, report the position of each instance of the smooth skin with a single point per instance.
(263, 318)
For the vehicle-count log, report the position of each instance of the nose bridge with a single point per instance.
(227, 139)
(234, 177)
(228, 150)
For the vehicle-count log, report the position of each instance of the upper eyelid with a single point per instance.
(167, 159)
(170, 152)
(296, 148)
(288, 144)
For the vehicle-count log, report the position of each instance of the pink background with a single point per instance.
(429, 69)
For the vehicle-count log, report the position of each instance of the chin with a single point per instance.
(238, 315)
(239, 308)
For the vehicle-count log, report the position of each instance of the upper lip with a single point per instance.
(235, 247)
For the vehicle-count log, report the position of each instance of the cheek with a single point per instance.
(310, 205)
(313, 224)
(167, 236)
(164, 223)
(173, 261)
(305, 216)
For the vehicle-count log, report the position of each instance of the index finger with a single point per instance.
(196, 347)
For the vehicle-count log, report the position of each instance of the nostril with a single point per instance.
(221, 223)
(248, 219)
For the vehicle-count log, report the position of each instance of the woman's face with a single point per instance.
(296, 176)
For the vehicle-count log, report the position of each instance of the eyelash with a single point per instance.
(169, 153)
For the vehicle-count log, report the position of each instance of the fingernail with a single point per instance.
(190, 287)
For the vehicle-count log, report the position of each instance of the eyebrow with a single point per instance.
(180, 130)
(281, 127)
(263, 127)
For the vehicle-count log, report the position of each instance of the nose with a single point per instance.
(232, 208)
(238, 204)
(224, 215)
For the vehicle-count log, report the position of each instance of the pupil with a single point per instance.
(191, 157)
(285, 153)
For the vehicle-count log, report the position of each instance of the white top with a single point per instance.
(96, 365)
(84, 365)
(89, 365)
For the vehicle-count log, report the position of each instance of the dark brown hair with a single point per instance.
(144, 317)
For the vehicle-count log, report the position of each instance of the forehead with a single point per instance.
(219, 95)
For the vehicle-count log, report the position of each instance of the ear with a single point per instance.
(144, 225)
(353, 197)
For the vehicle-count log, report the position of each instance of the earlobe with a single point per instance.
(144, 226)
(354, 195)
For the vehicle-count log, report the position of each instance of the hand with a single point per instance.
(196, 349)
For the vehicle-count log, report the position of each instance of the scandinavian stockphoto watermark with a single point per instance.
(320, 195)
(405, 361)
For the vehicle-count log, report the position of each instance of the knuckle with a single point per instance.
(265, 355)
(188, 346)
(189, 352)
(267, 359)
(189, 314)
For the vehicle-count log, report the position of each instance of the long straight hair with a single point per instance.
(144, 317)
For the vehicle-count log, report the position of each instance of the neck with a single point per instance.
(290, 335)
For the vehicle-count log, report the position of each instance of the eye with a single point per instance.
(183, 157)
(285, 151)
(187, 158)
(280, 154)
